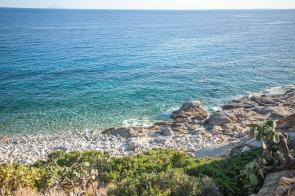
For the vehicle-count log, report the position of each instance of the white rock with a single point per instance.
(245, 149)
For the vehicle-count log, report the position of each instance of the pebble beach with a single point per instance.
(190, 129)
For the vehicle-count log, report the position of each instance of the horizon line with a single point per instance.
(143, 9)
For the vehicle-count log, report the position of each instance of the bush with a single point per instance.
(157, 172)
(226, 172)
(14, 177)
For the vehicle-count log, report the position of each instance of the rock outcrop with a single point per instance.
(190, 110)
(191, 129)
(219, 118)
(278, 184)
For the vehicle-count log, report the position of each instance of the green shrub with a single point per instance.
(157, 172)
(226, 172)
(171, 182)
(16, 176)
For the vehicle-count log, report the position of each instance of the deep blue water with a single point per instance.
(66, 70)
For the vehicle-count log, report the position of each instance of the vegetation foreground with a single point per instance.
(157, 172)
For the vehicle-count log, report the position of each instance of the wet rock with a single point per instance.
(125, 132)
(219, 118)
(192, 109)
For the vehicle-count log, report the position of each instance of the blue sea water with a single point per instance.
(65, 70)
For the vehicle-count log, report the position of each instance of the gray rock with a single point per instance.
(218, 118)
(167, 131)
(132, 145)
(160, 139)
(243, 102)
(254, 143)
(216, 150)
(123, 132)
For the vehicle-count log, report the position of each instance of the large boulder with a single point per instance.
(192, 109)
(278, 184)
(219, 118)
(287, 123)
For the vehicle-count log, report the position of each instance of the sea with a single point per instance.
(65, 70)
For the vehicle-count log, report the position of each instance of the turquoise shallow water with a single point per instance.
(91, 69)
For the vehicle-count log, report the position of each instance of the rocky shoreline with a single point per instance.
(191, 129)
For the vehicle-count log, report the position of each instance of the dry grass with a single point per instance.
(92, 190)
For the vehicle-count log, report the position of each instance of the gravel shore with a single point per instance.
(191, 128)
(29, 148)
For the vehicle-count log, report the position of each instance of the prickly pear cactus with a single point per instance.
(276, 155)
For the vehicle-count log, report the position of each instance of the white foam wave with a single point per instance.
(216, 108)
(273, 90)
(275, 23)
(133, 122)
(168, 113)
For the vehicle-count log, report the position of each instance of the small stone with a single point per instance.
(199, 139)
(245, 149)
